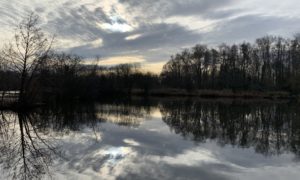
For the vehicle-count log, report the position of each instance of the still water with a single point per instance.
(153, 139)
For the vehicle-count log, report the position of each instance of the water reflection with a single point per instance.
(29, 141)
(124, 114)
(25, 152)
(270, 128)
(134, 139)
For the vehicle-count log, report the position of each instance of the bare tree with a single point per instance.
(26, 54)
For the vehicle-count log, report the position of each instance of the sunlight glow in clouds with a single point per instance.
(133, 37)
(117, 27)
(121, 60)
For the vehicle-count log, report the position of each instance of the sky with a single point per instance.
(150, 31)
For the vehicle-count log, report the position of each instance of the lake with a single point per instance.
(153, 139)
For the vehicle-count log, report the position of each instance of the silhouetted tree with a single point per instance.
(26, 55)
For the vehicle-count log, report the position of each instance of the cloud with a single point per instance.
(111, 28)
(165, 36)
(250, 27)
(133, 37)
(166, 8)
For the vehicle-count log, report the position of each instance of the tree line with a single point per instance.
(271, 63)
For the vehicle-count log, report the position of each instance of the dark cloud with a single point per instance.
(161, 36)
(79, 22)
(197, 7)
(163, 9)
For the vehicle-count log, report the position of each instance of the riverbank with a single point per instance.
(11, 104)
(216, 94)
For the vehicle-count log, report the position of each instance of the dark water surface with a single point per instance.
(153, 139)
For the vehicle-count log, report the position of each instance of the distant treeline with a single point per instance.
(65, 77)
(271, 63)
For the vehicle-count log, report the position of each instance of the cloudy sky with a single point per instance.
(149, 31)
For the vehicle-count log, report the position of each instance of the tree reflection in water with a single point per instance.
(271, 128)
(25, 152)
(29, 140)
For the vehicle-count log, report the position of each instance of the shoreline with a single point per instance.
(214, 94)
(180, 93)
